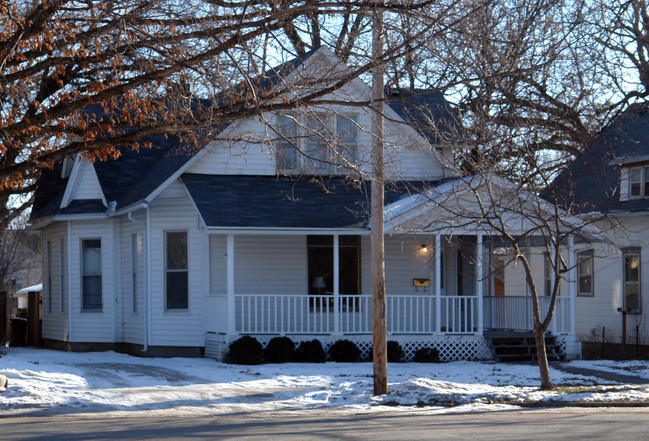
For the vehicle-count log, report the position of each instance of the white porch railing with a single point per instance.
(515, 312)
(314, 314)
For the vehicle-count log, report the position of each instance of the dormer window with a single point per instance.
(639, 182)
(326, 142)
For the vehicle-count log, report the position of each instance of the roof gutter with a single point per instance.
(262, 230)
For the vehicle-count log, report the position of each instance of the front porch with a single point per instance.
(442, 291)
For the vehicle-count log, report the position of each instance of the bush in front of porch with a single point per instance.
(344, 351)
(246, 350)
(280, 350)
(310, 351)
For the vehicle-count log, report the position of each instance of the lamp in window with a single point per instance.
(319, 283)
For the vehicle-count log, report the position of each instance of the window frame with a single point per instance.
(627, 253)
(641, 183)
(168, 271)
(581, 257)
(100, 275)
(307, 135)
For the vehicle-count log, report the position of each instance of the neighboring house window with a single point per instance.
(639, 182)
(134, 262)
(91, 275)
(49, 276)
(585, 273)
(547, 275)
(631, 268)
(177, 270)
(61, 276)
(326, 140)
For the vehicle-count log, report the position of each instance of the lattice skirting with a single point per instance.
(450, 347)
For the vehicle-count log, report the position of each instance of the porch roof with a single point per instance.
(290, 202)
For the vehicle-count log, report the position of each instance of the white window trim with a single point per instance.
(166, 270)
(101, 274)
(589, 254)
(632, 252)
(304, 164)
(644, 181)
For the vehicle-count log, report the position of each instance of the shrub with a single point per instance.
(395, 352)
(310, 352)
(246, 350)
(426, 355)
(344, 351)
(280, 350)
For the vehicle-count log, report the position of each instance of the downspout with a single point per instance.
(147, 296)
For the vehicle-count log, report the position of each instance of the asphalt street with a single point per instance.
(537, 424)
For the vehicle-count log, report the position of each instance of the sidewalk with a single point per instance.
(611, 376)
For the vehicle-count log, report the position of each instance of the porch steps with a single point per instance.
(514, 345)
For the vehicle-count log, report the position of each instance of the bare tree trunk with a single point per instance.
(542, 358)
(380, 356)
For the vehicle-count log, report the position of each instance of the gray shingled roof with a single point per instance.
(271, 202)
(591, 182)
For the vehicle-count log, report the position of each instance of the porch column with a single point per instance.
(438, 284)
(230, 284)
(572, 284)
(336, 284)
(478, 281)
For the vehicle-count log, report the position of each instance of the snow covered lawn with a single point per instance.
(64, 382)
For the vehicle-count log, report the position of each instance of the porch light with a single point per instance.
(424, 248)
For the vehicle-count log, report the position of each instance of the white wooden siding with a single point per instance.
(91, 326)
(132, 321)
(86, 184)
(218, 264)
(245, 148)
(55, 323)
(270, 264)
(624, 184)
(173, 211)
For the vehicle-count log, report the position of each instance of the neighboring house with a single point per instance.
(179, 252)
(609, 184)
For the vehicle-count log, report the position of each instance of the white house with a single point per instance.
(169, 252)
(609, 184)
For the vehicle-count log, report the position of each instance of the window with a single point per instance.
(61, 276)
(91, 274)
(326, 140)
(585, 270)
(320, 256)
(631, 276)
(639, 182)
(177, 270)
(49, 276)
(286, 148)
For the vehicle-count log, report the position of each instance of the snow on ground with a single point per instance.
(63, 382)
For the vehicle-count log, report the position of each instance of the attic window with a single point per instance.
(639, 182)
(325, 141)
